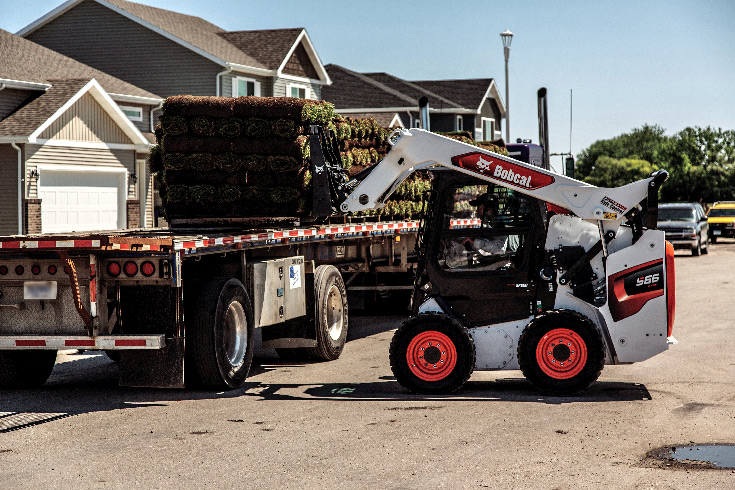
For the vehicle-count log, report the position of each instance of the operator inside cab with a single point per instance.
(484, 250)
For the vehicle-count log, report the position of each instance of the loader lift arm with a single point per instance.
(417, 149)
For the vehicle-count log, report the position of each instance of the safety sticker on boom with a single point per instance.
(510, 173)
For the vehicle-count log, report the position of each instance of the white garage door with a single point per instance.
(80, 201)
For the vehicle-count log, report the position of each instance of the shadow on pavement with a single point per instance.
(504, 390)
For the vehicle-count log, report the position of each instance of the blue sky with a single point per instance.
(628, 63)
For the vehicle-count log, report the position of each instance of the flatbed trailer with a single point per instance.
(180, 307)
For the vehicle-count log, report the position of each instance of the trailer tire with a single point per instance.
(219, 333)
(26, 369)
(330, 314)
(443, 338)
(542, 357)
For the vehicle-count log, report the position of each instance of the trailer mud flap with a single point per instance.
(160, 368)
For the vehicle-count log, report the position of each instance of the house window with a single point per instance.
(245, 86)
(297, 91)
(133, 113)
(460, 123)
(488, 129)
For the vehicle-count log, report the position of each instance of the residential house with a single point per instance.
(169, 53)
(472, 105)
(73, 144)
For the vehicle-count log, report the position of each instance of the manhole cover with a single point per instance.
(704, 456)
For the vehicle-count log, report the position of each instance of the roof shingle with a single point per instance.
(269, 47)
(24, 60)
(30, 117)
(352, 90)
(193, 30)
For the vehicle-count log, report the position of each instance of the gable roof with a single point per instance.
(413, 91)
(25, 61)
(254, 52)
(28, 122)
(350, 90)
(466, 93)
(269, 47)
(383, 91)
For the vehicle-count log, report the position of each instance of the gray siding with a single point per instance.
(490, 109)
(10, 99)
(266, 84)
(8, 190)
(443, 123)
(144, 125)
(61, 155)
(101, 38)
(280, 84)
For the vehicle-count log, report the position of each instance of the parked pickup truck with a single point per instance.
(685, 225)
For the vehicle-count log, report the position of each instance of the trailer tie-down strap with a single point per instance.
(72, 272)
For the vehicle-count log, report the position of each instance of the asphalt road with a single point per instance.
(348, 424)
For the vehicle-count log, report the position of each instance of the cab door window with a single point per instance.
(484, 228)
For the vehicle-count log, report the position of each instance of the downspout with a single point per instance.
(219, 78)
(20, 187)
(158, 108)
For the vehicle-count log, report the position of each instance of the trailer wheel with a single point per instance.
(219, 333)
(26, 368)
(561, 353)
(330, 313)
(432, 353)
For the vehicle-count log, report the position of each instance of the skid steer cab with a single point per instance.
(521, 268)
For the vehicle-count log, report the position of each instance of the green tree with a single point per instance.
(643, 143)
(700, 161)
(615, 172)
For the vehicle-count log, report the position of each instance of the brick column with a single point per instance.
(33, 216)
(133, 210)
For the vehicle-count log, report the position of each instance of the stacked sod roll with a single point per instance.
(249, 157)
(222, 157)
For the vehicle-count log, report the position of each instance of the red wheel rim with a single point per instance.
(431, 356)
(561, 353)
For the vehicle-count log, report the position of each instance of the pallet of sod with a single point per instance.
(224, 157)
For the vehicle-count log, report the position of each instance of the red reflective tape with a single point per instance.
(82, 243)
(30, 343)
(92, 284)
(228, 240)
(10, 244)
(188, 244)
(79, 343)
(130, 342)
(155, 247)
(124, 246)
(47, 244)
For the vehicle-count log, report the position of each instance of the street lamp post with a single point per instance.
(507, 37)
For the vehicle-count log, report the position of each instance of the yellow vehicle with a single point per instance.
(721, 220)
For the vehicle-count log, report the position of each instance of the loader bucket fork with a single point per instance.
(328, 178)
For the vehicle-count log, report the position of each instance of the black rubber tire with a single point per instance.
(463, 348)
(113, 355)
(331, 318)
(206, 306)
(697, 251)
(705, 250)
(26, 368)
(534, 333)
